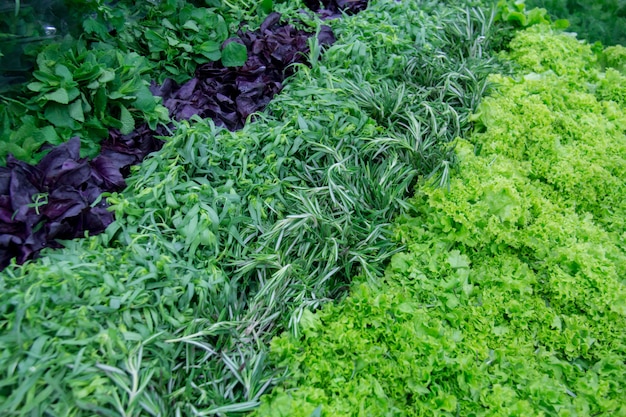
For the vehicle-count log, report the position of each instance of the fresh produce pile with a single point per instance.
(510, 298)
(60, 197)
(376, 239)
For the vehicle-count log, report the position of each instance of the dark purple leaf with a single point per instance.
(64, 202)
(30, 172)
(187, 111)
(22, 192)
(107, 169)
(326, 36)
(63, 166)
(163, 90)
(54, 199)
(5, 180)
(96, 219)
(185, 92)
(271, 20)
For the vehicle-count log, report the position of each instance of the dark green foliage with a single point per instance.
(598, 20)
(176, 37)
(97, 77)
(514, 15)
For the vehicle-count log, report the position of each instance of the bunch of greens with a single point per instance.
(78, 90)
(87, 87)
(174, 35)
(576, 133)
(599, 20)
(59, 198)
(510, 299)
(224, 239)
(515, 15)
(177, 37)
(66, 186)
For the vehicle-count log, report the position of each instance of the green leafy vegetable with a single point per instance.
(177, 36)
(224, 239)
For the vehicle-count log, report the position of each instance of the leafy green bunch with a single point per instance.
(515, 15)
(105, 20)
(564, 146)
(176, 37)
(79, 90)
(250, 13)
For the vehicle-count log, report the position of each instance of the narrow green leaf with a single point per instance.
(100, 102)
